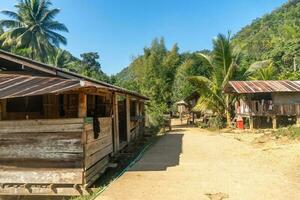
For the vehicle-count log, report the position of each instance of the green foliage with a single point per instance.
(153, 74)
(32, 32)
(216, 122)
(162, 75)
(60, 58)
(192, 65)
(223, 64)
(261, 70)
(275, 37)
(33, 27)
(290, 75)
(291, 131)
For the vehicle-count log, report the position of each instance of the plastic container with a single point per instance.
(240, 123)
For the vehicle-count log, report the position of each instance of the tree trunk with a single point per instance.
(228, 118)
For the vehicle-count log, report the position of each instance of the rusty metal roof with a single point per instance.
(62, 73)
(248, 87)
(21, 85)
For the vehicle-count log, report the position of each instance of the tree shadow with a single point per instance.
(163, 154)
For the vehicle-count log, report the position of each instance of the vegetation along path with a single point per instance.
(190, 163)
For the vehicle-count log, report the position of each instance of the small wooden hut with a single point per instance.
(58, 129)
(266, 104)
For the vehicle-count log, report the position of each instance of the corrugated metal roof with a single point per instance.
(21, 85)
(248, 87)
(63, 73)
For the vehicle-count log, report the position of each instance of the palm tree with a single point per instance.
(33, 27)
(223, 62)
(60, 58)
(1, 30)
(261, 70)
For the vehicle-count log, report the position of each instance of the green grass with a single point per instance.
(292, 132)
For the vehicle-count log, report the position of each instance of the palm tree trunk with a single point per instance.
(228, 118)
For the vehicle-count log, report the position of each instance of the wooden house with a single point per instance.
(58, 129)
(266, 104)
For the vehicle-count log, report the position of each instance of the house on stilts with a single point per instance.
(266, 104)
(58, 129)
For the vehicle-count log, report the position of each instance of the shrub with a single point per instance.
(291, 131)
(155, 113)
(217, 122)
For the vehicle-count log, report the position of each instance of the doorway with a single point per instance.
(122, 120)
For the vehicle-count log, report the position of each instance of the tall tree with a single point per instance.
(33, 26)
(91, 67)
(223, 63)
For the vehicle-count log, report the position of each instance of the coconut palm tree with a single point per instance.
(261, 70)
(33, 26)
(223, 62)
(60, 58)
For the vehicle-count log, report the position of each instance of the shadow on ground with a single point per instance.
(165, 153)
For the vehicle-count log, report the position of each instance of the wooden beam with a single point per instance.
(30, 64)
(298, 120)
(1, 110)
(3, 113)
(274, 122)
(128, 118)
(82, 105)
(137, 111)
(116, 123)
(251, 123)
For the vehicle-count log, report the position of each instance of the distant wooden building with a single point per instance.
(267, 104)
(59, 129)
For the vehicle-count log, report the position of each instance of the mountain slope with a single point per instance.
(274, 36)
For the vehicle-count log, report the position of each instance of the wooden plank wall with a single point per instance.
(97, 150)
(30, 146)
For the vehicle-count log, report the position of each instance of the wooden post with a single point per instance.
(3, 113)
(116, 123)
(82, 105)
(137, 111)
(1, 110)
(251, 123)
(274, 122)
(298, 120)
(128, 118)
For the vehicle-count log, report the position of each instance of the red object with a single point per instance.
(240, 123)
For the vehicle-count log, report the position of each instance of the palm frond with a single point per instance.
(222, 52)
(49, 15)
(10, 23)
(11, 14)
(55, 26)
(207, 59)
(56, 38)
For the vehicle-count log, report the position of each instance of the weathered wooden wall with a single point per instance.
(286, 98)
(39, 147)
(97, 149)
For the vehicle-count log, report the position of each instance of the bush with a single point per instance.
(202, 125)
(291, 131)
(155, 112)
(216, 122)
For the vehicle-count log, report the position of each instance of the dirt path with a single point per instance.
(193, 164)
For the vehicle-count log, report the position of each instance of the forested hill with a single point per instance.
(275, 36)
(272, 41)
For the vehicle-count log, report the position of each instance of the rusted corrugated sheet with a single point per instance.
(20, 85)
(248, 87)
(61, 73)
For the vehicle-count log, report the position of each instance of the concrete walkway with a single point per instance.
(192, 164)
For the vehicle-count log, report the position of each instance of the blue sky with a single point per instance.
(120, 29)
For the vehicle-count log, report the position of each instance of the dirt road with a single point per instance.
(193, 164)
